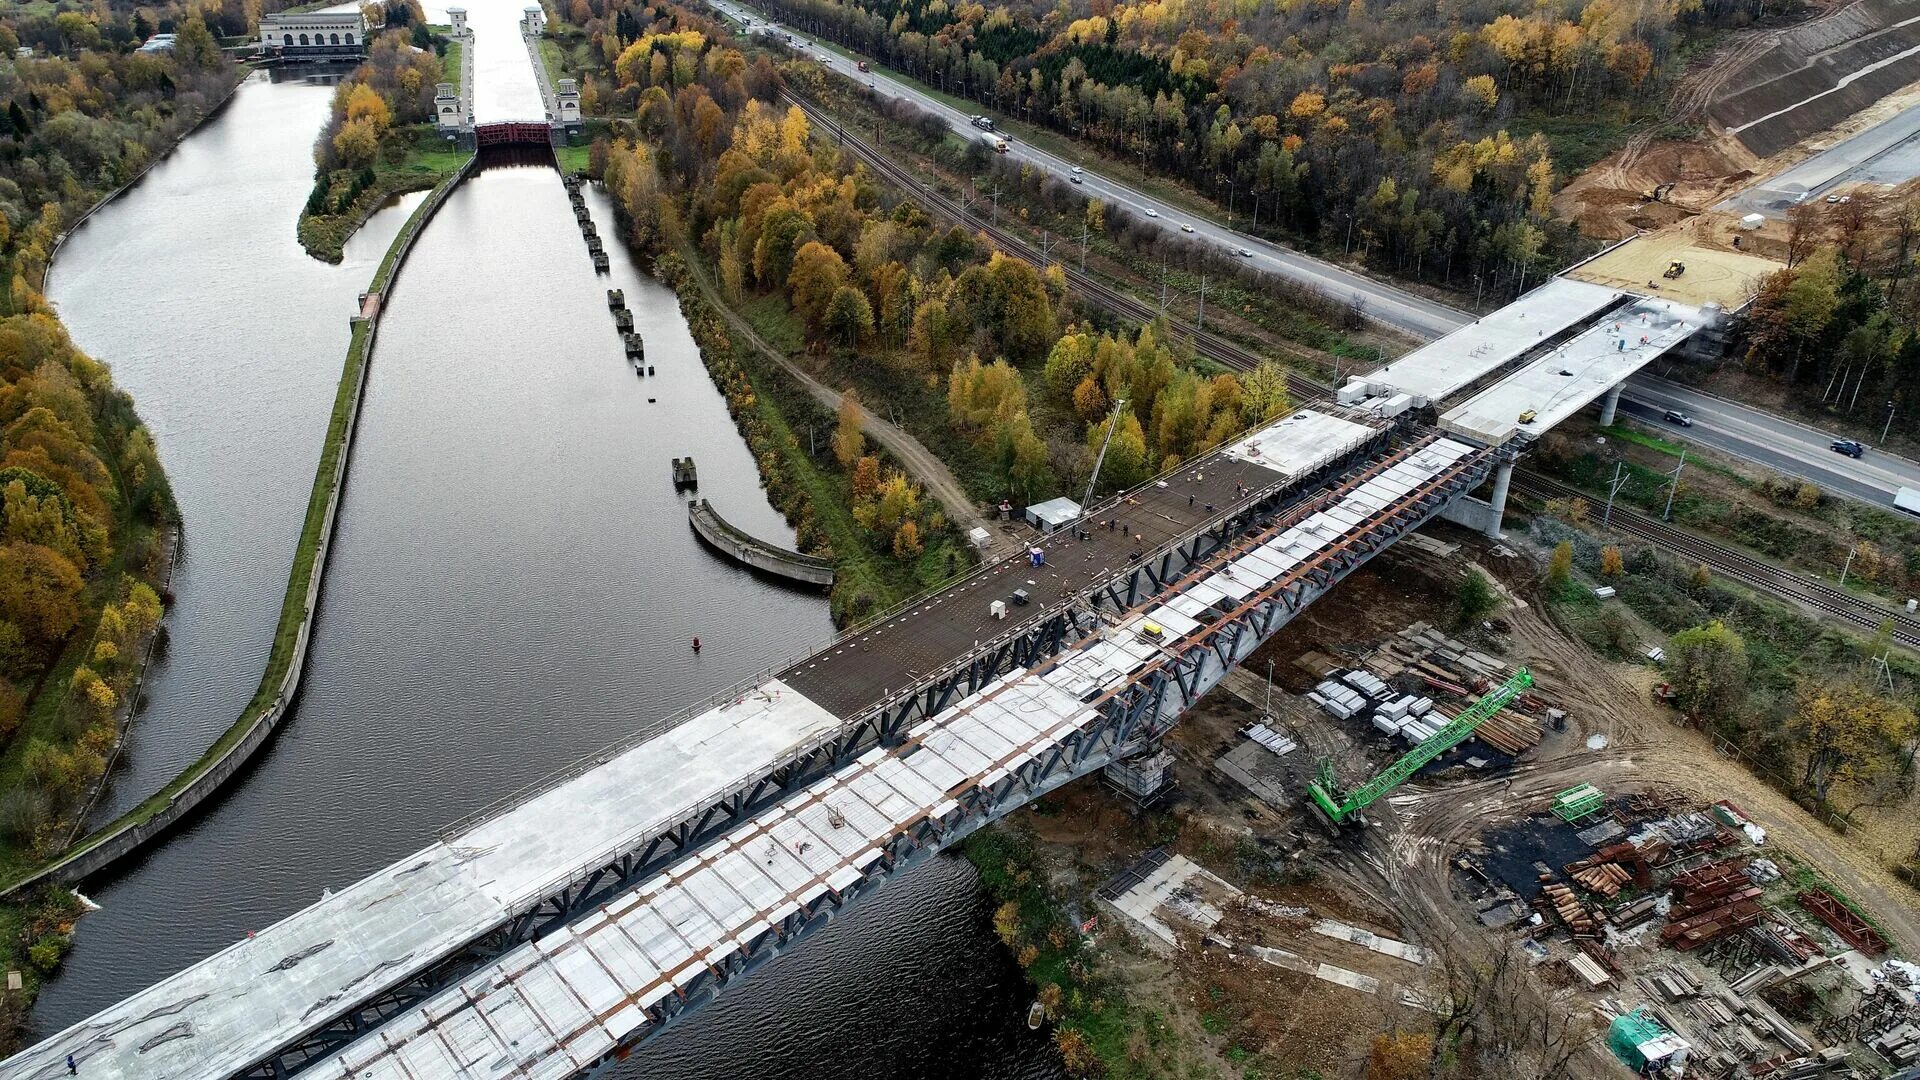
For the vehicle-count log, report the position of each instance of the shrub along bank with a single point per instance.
(379, 141)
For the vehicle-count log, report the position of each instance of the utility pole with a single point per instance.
(1612, 490)
(1200, 323)
(1113, 421)
(996, 204)
(1889, 424)
(1667, 514)
(1163, 284)
(1083, 247)
(1848, 565)
(1046, 245)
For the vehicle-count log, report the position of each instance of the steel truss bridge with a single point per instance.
(514, 948)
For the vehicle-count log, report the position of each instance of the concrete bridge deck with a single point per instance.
(583, 918)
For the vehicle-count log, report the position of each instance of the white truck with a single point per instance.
(1907, 500)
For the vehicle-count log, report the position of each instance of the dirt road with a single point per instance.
(1646, 751)
(920, 462)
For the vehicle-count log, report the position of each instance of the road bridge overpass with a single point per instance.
(588, 915)
(1513, 375)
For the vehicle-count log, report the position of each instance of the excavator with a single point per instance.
(1659, 193)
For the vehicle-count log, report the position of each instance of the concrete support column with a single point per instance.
(1610, 404)
(1501, 478)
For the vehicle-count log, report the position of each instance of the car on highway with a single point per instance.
(1675, 416)
(1853, 448)
(1151, 212)
(1243, 253)
(1184, 227)
(1074, 180)
(1077, 170)
(1833, 198)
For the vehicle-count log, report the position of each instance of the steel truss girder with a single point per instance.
(885, 725)
(1133, 716)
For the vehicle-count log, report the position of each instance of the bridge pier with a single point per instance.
(1610, 404)
(1502, 478)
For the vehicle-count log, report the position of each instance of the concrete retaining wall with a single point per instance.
(754, 553)
(129, 834)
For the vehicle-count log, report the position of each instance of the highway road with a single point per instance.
(1413, 315)
(1747, 433)
(1784, 445)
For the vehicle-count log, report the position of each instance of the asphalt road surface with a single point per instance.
(1765, 439)
(1414, 315)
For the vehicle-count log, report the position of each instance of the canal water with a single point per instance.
(513, 584)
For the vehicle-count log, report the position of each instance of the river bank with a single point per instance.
(281, 680)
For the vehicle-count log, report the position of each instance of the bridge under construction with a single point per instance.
(552, 934)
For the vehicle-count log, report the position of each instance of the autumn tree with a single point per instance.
(1399, 1055)
(1847, 735)
(849, 317)
(1263, 392)
(1612, 563)
(818, 271)
(849, 441)
(1560, 566)
(1707, 666)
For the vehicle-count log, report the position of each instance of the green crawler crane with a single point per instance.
(1325, 790)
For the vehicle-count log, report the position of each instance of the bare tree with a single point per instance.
(1804, 230)
(1498, 1015)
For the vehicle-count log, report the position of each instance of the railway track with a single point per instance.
(1106, 296)
(1821, 599)
(1733, 563)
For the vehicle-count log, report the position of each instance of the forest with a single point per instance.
(85, 512)
(887, 299)
(1407, 134)
(1838, 325)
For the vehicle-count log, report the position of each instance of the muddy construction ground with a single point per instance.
(1261, 973)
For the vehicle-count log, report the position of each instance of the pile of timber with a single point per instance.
(1509, 732)
(1608, 870)
(1567, 907)
(1607, 879)
(1634, 912)
(1446, 664)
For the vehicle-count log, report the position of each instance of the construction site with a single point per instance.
(1816, 112)
(1385, 826)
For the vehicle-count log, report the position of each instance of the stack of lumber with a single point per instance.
(1607, 879)
(1509, 732)
(1569, 910)
(1634, 912)
(1608, 870)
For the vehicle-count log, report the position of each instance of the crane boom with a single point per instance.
(1338, 808)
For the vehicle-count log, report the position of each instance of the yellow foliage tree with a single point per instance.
(849, 442)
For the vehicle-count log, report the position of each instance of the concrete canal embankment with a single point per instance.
(754, 553)
(285, 663)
